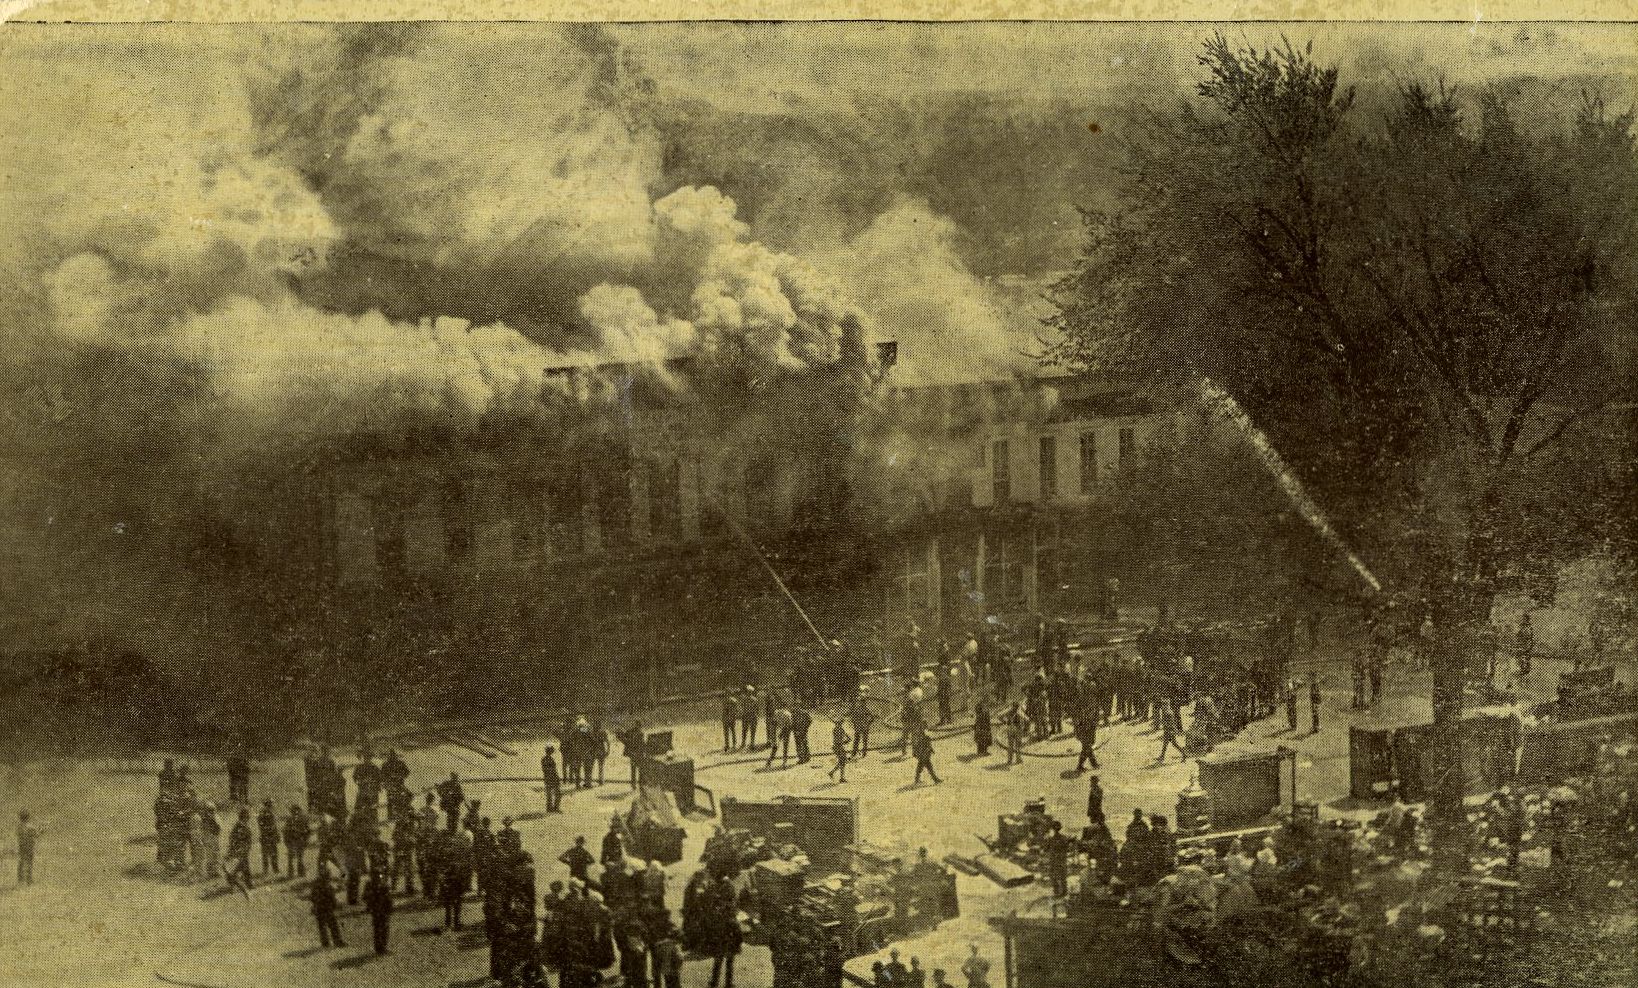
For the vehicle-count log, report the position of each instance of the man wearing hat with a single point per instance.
(730, 721)
(552, 779)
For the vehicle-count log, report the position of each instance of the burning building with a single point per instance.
(622, 537)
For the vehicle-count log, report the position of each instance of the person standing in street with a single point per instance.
(632, 743)
(297, 832)
(779, 734)
(922, 746)
(730, 721)
(322, 895)
(406, 843)
(747, 718)
(1291, 706)
(838, 747)
(451, 797)
(577, 859)
(600, 750)
(267, 826)
(862, 718)
(1524, 649)
(552, 779)
(801, 727)
(976, 969)
(28, 838)
(1086, 732)
(1057, 853)
(1168, 731)
(1094, 801)
(457, 877)
(378, 903)
(1017, 724)
(238, 774)
(366, 785)
(770, 707)
(237, 869)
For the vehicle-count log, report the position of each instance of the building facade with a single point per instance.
(636, 531)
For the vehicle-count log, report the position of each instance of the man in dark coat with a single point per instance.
(770, 706)
(355, 850)
(922, 746)
(378, 903)
(297, 832)
(457, 877)
(577, 859)
(552, 780)
(632, 742)
(451, 797)
(801, 725)
(267, 827)
(862, 718)
(367, 782)
(1094, 801)
(322, 895)
(1086, 732)
(730, 721)
(721, 937)
(983, 730)
(238, 773)
(395, 782)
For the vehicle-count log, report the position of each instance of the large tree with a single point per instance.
(1424, 298)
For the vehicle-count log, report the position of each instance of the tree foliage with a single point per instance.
(1424, 297)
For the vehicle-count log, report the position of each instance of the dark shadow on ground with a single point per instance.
(357, 960)
(303, 953)
(969, 758)
(427, 931)
(140, 839)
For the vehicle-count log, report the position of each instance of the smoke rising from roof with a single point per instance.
(222, 242)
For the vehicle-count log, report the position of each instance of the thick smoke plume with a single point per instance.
(218, 264)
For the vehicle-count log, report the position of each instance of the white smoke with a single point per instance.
(630, 330)
(951, 327)
(291, 368)
(484, 155)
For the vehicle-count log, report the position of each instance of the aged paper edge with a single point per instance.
(1465, 11)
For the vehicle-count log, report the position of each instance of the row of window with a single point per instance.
(1001, 463)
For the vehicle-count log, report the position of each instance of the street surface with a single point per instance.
(102, 914)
